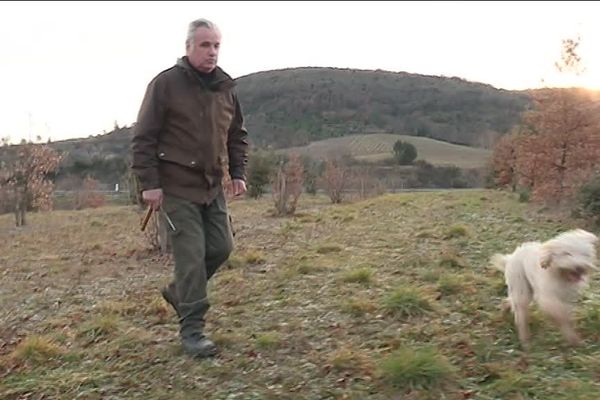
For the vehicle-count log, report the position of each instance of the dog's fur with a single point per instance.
(551, 273)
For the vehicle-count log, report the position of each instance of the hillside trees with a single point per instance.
(293, 107)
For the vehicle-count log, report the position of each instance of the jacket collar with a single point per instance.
(221, 80)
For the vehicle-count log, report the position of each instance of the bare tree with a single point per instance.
(335, 179)
(287, 185)
(88, 196)
(25, 175)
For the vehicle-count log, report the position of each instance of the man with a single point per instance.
(189, 131)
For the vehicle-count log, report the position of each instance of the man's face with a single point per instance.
(203, 52)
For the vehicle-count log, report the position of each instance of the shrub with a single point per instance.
(422, 368)
(588, 199)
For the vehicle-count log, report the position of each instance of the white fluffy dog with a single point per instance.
(551, 273)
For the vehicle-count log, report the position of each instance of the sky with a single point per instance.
(74, 69)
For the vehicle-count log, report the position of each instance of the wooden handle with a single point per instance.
(146, 218)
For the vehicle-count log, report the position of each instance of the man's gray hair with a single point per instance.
(199, 23)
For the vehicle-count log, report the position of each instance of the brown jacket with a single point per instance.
(188, 134)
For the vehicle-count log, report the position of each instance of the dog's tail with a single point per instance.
(498, 261)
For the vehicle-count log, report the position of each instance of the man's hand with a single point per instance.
(239, 187)
(153, 197)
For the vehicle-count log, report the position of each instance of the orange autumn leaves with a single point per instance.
(557, 147)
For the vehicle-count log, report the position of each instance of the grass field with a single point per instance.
(377, 147)
(385, 298)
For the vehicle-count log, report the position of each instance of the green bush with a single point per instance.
(589, 199)
(404, 152)
(261, 166)
(524, 195)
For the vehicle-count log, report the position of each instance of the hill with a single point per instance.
(378, 147)
(294, 107)
(380, 299)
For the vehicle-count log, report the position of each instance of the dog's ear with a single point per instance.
(589, 236)
(546, 255)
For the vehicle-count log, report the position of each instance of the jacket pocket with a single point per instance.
(178, 157)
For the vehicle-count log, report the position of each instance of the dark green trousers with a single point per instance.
(201, 242)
